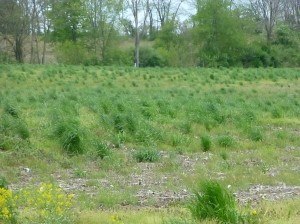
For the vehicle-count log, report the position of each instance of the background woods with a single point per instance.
(249, 33)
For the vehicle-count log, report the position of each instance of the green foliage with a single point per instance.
(118, 57)
(3, 183)
(68, 20)
(11, 110)
(44, 204)
(177, 221)
(11, 126)
(226, 141)
(256, 134)
(102, 149)
(70, 136)
(206, 143)
(146, 155)
(212, 201)
(220, 32)
(71, 53)
(150, 58)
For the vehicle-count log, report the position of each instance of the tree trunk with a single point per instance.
(19, 50)
(137, 36)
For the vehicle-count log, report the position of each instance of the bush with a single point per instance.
(214, 202)
(71, 53)
(146, 155)
(150, 58)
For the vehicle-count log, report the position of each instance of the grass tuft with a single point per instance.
(212, 201)
(102, 149)
(146, 155)
(206, 143)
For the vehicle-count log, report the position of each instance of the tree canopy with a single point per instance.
(168, 33)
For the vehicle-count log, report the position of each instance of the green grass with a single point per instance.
(214, 202)
(169, 127)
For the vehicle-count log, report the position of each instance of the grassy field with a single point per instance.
(132, 144)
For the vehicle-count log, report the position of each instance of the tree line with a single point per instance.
(207, 33)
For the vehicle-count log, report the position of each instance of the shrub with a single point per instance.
(71, 53)
(150, 58)
(212, 201)
(146, 155)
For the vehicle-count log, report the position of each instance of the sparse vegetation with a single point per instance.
(92, 133)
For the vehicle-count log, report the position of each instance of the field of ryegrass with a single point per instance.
(124, 141)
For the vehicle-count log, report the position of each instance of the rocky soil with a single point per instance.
(156, 189)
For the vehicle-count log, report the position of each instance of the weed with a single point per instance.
(7, 210)
(45, 204)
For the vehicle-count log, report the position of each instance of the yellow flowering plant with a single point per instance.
(46, 204)
(7, 211)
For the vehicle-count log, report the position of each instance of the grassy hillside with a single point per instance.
(125, 139)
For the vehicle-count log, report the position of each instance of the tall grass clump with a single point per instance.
(226, 141)
(206, 143)
(14, 133)
(146, 155)
(69, 134)
(255, 134)
(212, 201)
(11, 110)
(14, 127)
(102, 149)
